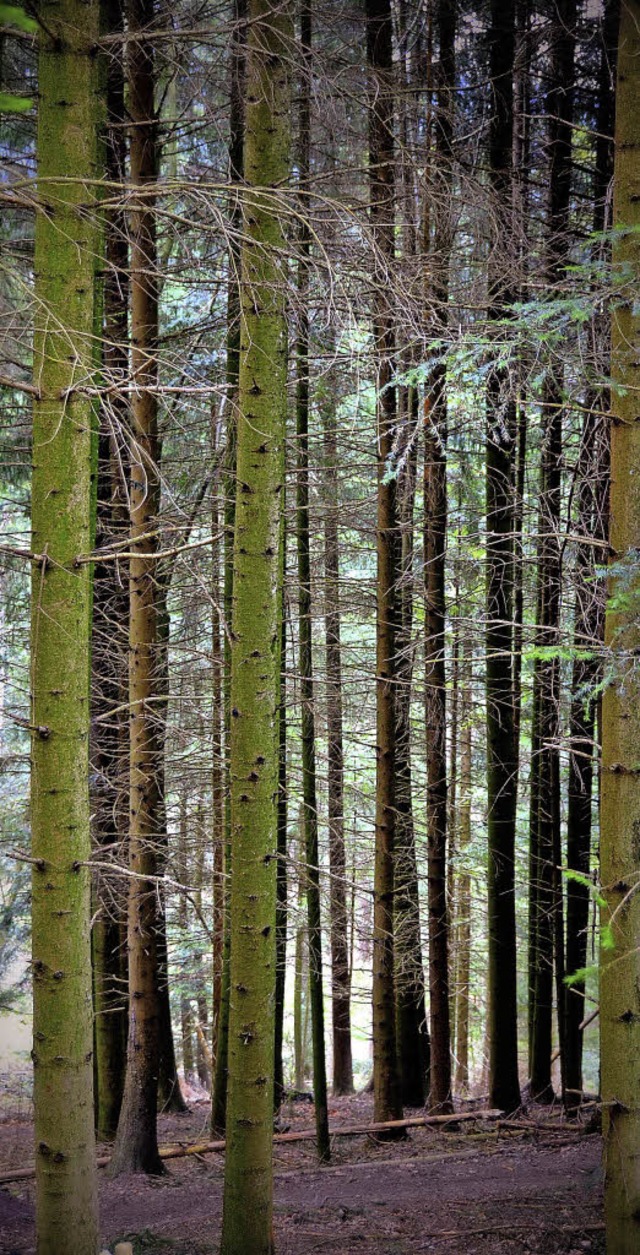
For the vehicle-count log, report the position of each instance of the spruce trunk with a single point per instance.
(66, 243)
(340, 967)
(308, 737)
(620, 816)
(255, 689)
(236, 164)
(136, 1145)
(502, 748)
(386, 1080)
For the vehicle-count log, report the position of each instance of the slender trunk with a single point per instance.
(66, 242)
(109, 658)
(262, 406)
(593, 470)
(186, 1016)
(620, 813)
(463, 883)
(386, 1080)
(308, 733)
(411, 1020)
(547, 928)
(340, 967)
(502, 750)
(236, 174)
(217, 751)
(301, 975)
(282, 843)
(136, 1145)
(435, 531)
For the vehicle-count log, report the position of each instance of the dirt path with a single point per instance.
(455, 1194)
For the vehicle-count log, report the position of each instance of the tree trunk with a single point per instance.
(236, 169)
(502, 749)
(308, 733)
(463, 883)
(340, 968)
(411, 1019)
(386, 1080)
(262, 405)
(109, 731)
(66, 243)
(593, 470)
(136, 1145)
(435, 529)
(218, 751)
(620, 845)
(547, 922)
(282, 876)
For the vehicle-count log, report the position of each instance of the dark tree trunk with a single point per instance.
(109, 731)
(412, 1031)
(386, 1080)
(435, 533)
(502, 750)
(593, 473)
(547, 929)
(136, 1145)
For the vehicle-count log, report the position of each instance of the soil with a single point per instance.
(467, 1191)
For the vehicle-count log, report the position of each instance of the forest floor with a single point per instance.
(475, 1188)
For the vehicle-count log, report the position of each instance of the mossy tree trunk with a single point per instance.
(67, 241)
(255, 689)
(236, 167)
(620, 816)
(136, 1145)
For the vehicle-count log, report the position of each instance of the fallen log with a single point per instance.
(304, 1135)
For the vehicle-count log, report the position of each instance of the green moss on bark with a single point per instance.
(620, 818)
(66, 243)
(254, 656)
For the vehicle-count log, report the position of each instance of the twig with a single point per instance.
(306, 1135)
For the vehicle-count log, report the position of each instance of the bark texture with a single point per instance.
(620, 838)
(247, 1207)
(502, 749)
(66, 242)
(386, 1080)
(136, 1145)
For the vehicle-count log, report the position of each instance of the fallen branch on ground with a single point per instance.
(308, 1135)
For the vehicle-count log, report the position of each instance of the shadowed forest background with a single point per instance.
(318, 613)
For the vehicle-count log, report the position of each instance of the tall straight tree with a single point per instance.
(435, 538)
(502, 749)
(136, 1144)
(262, 406)
(66, 243)
(591, 511)
(109, 725)
(340, 968)
(620, 814)
(546, 921)
(236, 162)
(386, 1081)
(309, 789)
